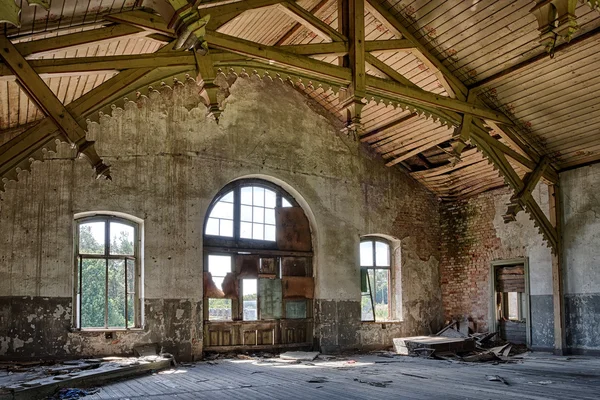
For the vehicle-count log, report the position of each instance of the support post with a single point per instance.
(558, 294)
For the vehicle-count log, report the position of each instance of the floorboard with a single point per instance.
(535, 377)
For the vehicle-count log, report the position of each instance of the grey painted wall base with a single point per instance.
(582, 314)
(40, 327)
(542, 322)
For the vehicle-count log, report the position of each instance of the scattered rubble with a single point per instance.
(299, 355)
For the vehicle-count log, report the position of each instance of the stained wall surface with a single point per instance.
(168, 160)
(474, 235)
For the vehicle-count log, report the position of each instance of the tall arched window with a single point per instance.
(375, 282)
(258, 284)
(108, 273)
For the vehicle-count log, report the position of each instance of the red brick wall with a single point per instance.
(469, 244)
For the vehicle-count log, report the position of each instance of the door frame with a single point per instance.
(493, 317)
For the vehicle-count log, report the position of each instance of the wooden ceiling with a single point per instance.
(491, 47)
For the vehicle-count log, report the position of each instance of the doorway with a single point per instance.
(509, 305)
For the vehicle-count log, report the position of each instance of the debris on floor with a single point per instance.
(72, 393)
(299, 355)
(373, 382)
(41, 381)
(496, 378)
(452, 344)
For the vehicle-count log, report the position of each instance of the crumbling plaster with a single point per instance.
(168, 160)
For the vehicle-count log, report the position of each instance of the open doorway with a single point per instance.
(509, 311)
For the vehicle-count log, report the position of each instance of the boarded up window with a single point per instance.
(293, 230)
(510, 279)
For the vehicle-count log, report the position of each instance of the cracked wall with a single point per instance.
(168, 160)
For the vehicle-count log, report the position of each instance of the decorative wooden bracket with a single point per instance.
(517, 201)
(462, 134)
(10, 12)
(556, 18)
(46, 100)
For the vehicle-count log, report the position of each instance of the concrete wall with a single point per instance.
(581, 230)
(473, 235)
(168, 160)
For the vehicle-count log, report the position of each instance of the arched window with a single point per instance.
(258, 274)
(108, 272)
(245, 211)
(375, 282)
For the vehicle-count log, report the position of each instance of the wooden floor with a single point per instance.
(537, 376)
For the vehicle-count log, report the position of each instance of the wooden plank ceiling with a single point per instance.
(491, 46)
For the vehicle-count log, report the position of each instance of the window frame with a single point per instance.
(137, 265)
(237, 241)
(364, 270)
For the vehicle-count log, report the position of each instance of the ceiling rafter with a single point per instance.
(46, 100)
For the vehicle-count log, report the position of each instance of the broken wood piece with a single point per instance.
(144, 350)
(496, 378)
(299, 355)
(413, 345)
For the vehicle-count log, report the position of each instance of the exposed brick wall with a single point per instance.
(469, 244)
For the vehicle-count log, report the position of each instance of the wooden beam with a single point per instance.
(107, 63)
(394, 124)
(220, 15)
(70, 41)
(382, 14)
(558, 294)
(392, 45)
(142, 19)
(429, 143)
(46, 100)
(282, 40)
(530, 180)
(333, 48)
(387, 70)
(304, 17)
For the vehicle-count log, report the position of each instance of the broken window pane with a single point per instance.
(366, 254)
(382, 254)
(93, 287)
(250, 298)
(366, 308)
(219, 309)
(218, 265)
(92, 238)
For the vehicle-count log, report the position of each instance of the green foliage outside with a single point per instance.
(379, 287)
(93, 282)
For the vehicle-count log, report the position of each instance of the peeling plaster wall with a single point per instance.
(168, 160)
(473, 235)
(581, 235)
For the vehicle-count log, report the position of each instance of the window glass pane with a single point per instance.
(246, 213)
(226, 228)
(219, 265)
(381, 287)
(366, 309)
(212, 226)
(270, 233)
(270, 216)
(222, 210)
(259, 196)
(259, 214)
(257, 231)
(246, 195)
(366, 254)
(228, 197)
(513, 305)
(382, 254)
(130, 276)
(121, 238)
(270, 198)
(131, 310)
(285, 203)
(246, 230)
(250, 297)
(219, 309)
(93, 284)
(91, 238)
(116, 293)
